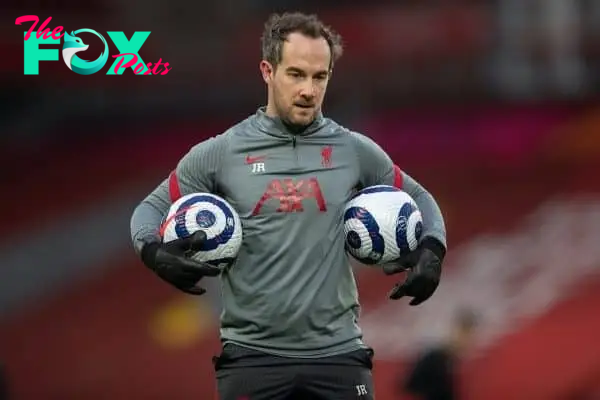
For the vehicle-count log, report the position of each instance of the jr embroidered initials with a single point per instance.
(291, 194)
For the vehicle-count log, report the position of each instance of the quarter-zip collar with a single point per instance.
(274, 126)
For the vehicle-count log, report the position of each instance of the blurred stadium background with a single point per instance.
(493, 105)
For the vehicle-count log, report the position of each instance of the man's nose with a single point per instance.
(308, 90)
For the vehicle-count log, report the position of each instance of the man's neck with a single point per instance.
(270, 111)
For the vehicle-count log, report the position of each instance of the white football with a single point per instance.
(211, 214)
(381, 224)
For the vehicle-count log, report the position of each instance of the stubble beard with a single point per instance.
(286, 115)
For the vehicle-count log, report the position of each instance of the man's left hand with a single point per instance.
(424, 267)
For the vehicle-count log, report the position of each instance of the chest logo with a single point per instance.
(291, 194)
(326, 156)
(257, 163)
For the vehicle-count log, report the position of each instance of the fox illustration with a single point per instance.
(73, 44)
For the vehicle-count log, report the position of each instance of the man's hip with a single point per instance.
(244, 373)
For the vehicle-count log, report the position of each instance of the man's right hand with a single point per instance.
(170, 262)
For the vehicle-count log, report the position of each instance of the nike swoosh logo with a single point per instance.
(252, 160)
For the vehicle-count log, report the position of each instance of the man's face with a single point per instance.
(298, 84)
(463, 338)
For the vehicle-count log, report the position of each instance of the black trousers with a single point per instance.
(244, 374)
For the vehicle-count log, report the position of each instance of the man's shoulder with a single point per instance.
(222, 138)
(332, 125)
(437, 354)
(215, 143)
(243, 127)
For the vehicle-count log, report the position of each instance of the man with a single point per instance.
(290, 305)
(433, 375)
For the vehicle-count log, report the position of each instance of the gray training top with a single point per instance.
(291, 291)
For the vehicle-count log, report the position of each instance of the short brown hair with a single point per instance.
(279, 26)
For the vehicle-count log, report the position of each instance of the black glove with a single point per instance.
(424, 267)
(170, 261)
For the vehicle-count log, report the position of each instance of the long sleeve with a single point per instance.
(377, 168)
(433, 220)
(196, 172)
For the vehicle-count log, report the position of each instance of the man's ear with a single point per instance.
(267, 71)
